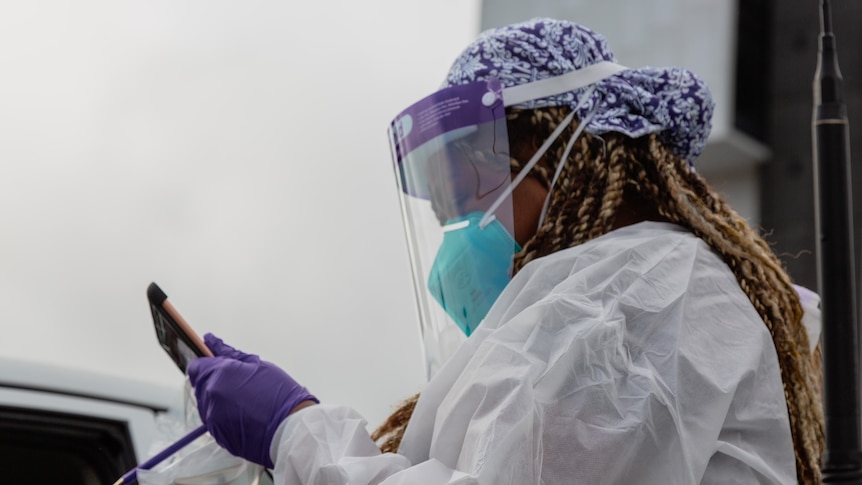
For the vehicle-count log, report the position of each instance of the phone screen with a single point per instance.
(172, 341)
(175, 336)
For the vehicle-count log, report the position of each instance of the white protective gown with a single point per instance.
(633, 358)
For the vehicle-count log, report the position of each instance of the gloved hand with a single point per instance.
(242, 399)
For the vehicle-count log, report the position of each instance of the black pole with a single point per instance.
(842, 459)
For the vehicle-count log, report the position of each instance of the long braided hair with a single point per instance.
(584, 203)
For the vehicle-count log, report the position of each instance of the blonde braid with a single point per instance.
(388, 435)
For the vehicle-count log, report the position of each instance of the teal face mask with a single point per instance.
(471, 268)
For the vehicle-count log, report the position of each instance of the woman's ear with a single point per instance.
(528, 198)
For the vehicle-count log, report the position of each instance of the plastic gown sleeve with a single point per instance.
(329, 445)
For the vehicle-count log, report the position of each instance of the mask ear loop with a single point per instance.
(571, 143)
(489, 216)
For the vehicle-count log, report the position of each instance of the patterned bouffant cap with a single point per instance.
(672, 102)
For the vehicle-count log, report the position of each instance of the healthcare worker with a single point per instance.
(625, 325)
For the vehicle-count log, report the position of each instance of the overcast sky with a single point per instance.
(233, 152)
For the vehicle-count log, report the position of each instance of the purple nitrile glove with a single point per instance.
(242, 399)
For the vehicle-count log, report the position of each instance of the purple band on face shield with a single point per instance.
(447, 110)
(425, 132)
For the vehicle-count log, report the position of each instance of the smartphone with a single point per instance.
(175, 335)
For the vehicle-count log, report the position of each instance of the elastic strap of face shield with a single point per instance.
(549, 87)
(563, 83)
(489, 214)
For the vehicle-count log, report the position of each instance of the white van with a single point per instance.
(60, 425)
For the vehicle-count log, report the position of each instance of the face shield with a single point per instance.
(452, 165)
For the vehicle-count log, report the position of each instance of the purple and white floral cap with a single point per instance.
(672, 102)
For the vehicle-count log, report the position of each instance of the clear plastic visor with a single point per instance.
(451, 156)
(452, 164)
